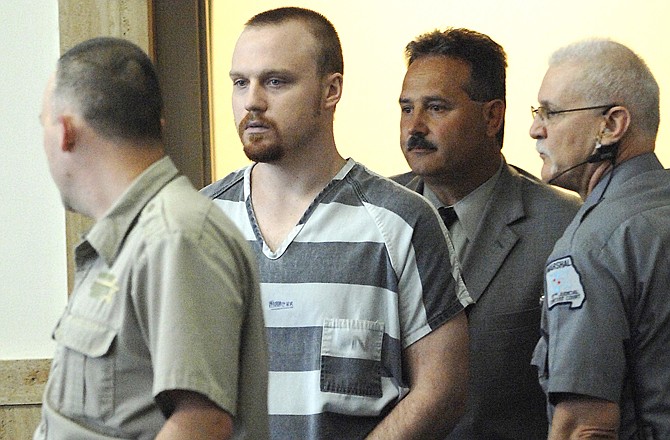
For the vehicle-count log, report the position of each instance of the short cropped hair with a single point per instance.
(486, 58)
(329, 49)
(112, 83)
(611, 73)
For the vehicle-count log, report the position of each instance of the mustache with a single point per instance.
(252, 118)
(419, 141)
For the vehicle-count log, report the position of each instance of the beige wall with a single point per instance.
(32, 269)
(374, 33)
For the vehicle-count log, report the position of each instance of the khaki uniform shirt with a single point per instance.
(166, 297)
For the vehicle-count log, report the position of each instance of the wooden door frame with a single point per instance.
(176, 36)
(180, 49)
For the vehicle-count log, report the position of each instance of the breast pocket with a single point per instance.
(498, 339)
(83, 373)
(351, 353)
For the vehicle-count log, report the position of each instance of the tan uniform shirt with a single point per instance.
(166, 297)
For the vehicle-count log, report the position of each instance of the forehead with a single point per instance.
(284, 46)
(432, 74)
(558, 84)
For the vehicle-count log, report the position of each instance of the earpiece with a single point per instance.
(603, 152)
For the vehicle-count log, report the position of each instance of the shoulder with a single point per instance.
(404, 179)
(386, 193)
(409, 180)
(651, 187)
(639, 205)
(180, 210)
(222, 189)
(540, 194)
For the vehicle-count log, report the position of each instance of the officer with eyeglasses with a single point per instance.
(604, 356)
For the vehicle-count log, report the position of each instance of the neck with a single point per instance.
(282, 192)
(592, 179)
(451, 189)
(299, 181)
(302, 171)
(111, 172)
(628, 148)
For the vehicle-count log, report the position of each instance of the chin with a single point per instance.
(263, 155)
(421, 166)
(547, 171)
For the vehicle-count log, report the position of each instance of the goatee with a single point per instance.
(260, 147)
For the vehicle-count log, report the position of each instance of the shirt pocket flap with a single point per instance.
(85, 336)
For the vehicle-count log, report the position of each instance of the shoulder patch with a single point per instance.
(564, 285)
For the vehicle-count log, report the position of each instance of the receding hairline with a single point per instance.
(308, 26)
(309, 29)
(326, 39)
(315, 44)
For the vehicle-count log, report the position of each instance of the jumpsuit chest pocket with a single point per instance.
(83, 372)
(351, 355)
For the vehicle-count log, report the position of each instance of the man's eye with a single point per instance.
(239, 83)
(274, 82)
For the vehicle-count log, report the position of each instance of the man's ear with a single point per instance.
(332, 90)
(617, 121)
(494, 115)
(68, 132)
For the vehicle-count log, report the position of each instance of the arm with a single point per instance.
(194, 319)
(582, 417)
(195, 417)
(437, 366)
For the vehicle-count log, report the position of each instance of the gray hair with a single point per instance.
(611, 73)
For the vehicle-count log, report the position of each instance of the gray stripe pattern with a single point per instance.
(365, 273)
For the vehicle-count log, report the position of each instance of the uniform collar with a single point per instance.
(618, 176)
(107, 234)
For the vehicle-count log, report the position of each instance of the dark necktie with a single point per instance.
(448, 215)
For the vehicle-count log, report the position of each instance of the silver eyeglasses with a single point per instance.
(545, 114)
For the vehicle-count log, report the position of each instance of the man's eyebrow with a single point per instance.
(423, 99)
(264, 73)
(433, 98)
